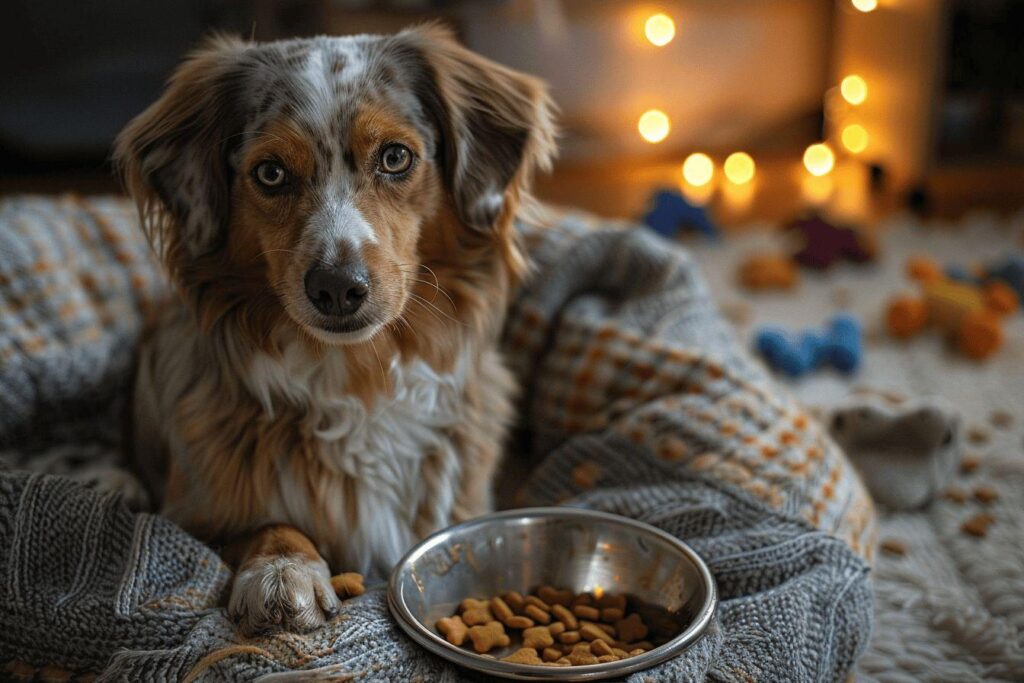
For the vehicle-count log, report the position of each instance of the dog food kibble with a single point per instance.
(593, 632)
(513, 599)
(581, 656)
(520, 622)
(611, 614)
(538, 638)
(537, 614)
(978, 525)
(348, 585)
(476, 612)
(501, 610)
(969, 463)
(612, 601)
(486, 638)
(631, 628)
(977, 435)
(564, 616)
(607, 628)
(551, 627)
(453, 629)
(1001, 419)
(553, 596)
(985, 494)
(526, 655)
(894, 546)
(569, 637)
(956, 495)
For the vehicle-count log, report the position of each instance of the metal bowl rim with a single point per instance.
(433, 642)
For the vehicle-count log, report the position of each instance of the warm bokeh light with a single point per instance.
(855, 138)
(854, 89)
(654, 125)
(739, 168)
(660, 29)
(864, 5)
(818, 159)
(698, 169)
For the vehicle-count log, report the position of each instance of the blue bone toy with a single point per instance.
(670, 213)
(839, 347)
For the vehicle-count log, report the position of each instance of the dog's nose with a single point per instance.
(339, 290)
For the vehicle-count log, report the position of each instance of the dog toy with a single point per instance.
(670, 214)
(839, 347)
(905, 453)
(768, 271)
(1011, 271)
(969, 314)
(1008, 270)
(822, 243)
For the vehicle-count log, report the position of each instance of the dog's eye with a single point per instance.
(395, 159)
(271, 174)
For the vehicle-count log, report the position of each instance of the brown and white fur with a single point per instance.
(305, 440)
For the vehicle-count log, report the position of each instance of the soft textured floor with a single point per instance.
(952, 607)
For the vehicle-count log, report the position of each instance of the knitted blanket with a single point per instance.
(638, 400)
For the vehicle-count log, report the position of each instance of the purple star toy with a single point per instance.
(823, 243)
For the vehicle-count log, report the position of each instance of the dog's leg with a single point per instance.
(281, 582)
(480, 437)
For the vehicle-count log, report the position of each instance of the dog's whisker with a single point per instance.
(424, 302)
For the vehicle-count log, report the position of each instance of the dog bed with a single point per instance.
(637, 399)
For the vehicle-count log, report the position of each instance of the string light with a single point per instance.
(698, 169)
(819, 159)
(654, 125)
(855, 138)
(739, 168)
(854, 89)
(660, 29)
(864, 5)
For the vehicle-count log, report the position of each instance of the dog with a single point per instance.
(336, 215)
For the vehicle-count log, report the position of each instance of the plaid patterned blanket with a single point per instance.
(638, 400)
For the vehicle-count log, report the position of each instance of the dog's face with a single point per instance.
(313, 169)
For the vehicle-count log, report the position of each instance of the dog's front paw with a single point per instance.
(287, 592)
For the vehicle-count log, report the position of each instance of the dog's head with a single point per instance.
(304, 176)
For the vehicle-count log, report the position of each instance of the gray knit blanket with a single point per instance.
(638, 400)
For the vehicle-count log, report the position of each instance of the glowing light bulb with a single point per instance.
(855, 138)
(854, 89)
(864, 5)
(739, 168)
(660, 29)
(698, 169)
(818, 159)
(654, 125)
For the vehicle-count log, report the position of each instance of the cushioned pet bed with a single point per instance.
(638, 400)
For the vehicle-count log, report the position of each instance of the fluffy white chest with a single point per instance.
(376, 457)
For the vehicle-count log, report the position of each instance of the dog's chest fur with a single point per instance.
(370, 495)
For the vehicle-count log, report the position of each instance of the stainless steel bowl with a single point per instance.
(570, 548)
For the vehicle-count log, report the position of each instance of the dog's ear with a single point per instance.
(173, 156)
(496, 124)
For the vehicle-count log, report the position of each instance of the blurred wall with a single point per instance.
(735, 70)
(897, 50)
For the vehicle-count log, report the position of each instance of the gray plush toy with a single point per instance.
(905, 451)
